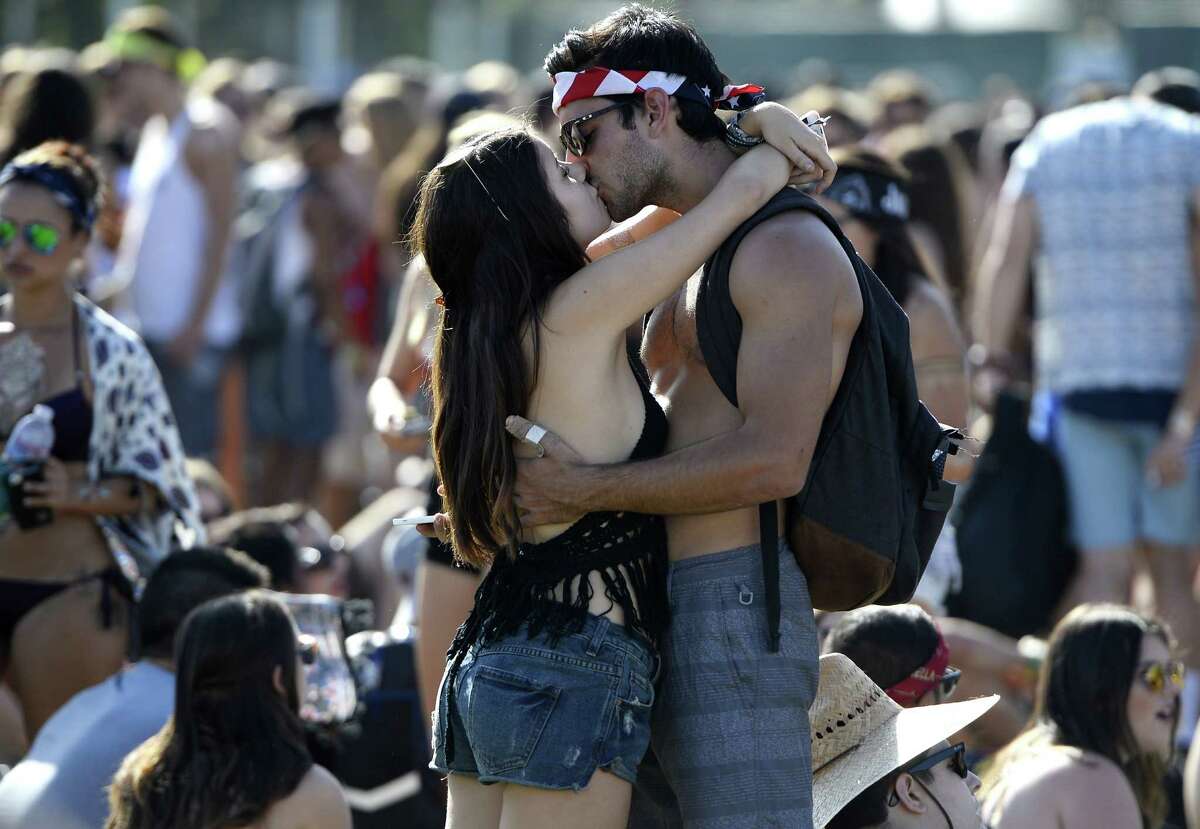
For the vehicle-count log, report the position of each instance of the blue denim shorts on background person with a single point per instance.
(545, 715)
(1113, 504)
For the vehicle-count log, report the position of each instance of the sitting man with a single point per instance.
(900, 649)
(907, 653)
(63, 779)
(877, 764)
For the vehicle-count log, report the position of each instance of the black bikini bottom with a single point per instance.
(19, 596)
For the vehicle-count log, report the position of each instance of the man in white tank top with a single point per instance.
(181, 206)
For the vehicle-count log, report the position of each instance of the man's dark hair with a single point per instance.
(297, 109)
(1171, 85)
(639, 37)
(870, 807)
(185, 580)
(887, 643)
(272, 544)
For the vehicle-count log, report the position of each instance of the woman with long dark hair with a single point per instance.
(1102, 731)
(46, 105)
(943, 202)
(871, 198)
(233, 754)
(550, 680)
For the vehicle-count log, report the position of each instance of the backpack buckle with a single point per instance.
(939, 496)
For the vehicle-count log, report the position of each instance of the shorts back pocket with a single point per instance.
(506, 715)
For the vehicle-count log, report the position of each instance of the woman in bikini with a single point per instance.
(115, 482)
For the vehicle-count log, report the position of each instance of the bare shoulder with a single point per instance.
(932, 320)
(928, 299)
(1082, 790)
(317, 801)
(793, 269)
(215, 131)
(791, 252)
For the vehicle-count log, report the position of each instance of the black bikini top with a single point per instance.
(73, 414)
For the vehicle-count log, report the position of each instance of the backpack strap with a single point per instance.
(719, 331)
(768, 543)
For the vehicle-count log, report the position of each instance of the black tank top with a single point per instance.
(628, 550)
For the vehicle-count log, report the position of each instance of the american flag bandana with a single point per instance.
(599, 82)
(909, 690)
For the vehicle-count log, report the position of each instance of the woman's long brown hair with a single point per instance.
(235, 745)
(496, 242)
(1081, 701)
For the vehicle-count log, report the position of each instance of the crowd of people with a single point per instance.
(624, 334)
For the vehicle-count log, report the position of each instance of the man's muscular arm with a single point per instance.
(786, 279)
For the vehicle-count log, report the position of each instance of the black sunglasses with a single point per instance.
(957, 754)
(947, 684)
(574, 141)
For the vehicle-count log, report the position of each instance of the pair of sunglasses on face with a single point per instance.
(946, 685)
(39, 236)
(1156, 676)
(573, 141)
(956, 754)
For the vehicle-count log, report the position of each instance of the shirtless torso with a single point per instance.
(697, 409)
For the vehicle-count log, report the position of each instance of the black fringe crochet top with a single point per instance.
(628, 550)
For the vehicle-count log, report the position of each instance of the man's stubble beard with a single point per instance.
(643, 181)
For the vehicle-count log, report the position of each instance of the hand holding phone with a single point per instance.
(413, 520)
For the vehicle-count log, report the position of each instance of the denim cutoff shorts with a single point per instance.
(546, 714)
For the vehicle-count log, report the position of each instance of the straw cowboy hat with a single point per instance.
(859, 733)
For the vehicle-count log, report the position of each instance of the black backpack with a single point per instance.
(1013, 582)
(874, 503)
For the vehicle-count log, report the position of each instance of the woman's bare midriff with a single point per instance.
(67, 548)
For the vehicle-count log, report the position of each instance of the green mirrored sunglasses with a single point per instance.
(41, 238)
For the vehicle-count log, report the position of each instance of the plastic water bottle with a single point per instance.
(32, 438)
(24, 459)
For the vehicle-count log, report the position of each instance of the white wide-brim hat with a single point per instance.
(859, 733)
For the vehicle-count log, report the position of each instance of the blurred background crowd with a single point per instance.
(259, 164)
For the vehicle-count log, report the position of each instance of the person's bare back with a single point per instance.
(316, 803)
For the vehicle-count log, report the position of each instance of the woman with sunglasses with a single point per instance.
(549, 684)
(114, 490)
(1102, 732)
(233, 754)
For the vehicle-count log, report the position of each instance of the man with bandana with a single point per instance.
(635, 95)
(181, 207)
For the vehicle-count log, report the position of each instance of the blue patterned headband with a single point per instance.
(61, 185)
